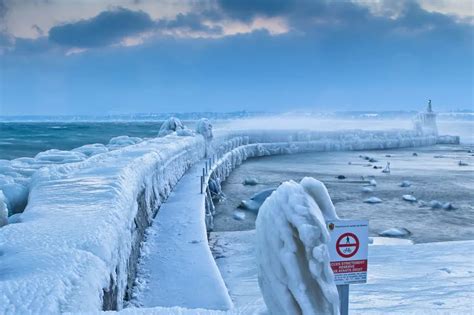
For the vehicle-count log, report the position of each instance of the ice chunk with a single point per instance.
(3, 210)
(250, 181)
(435, 204)
(389, 241)
(204, 128)
(449, 206)
(373, 200)
(250, 205)
(256, 200)
(294, 273)
(405, 183)
(409, 198)
(262, 195)
(170, 125)
(395, 232)
(367, 189)
(239, 215)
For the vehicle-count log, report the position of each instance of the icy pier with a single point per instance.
(177, 267)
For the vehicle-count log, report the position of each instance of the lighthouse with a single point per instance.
(425, 122)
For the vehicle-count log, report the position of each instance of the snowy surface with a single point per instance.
(433, 278)
(294, 273)
(177, 267)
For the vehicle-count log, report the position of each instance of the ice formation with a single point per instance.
(3, 210)
(204, 128)
(256, 201)
(250, 181)
(169, 126)
(367, 189)
(405, 183)
(373, 200)
(409, 198)
(395, 232)
(292, 255)
(238, 215)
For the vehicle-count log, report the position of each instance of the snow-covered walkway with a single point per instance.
(177, 267)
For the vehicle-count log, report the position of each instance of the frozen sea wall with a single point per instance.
(74, 247)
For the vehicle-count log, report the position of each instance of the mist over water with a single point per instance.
(26, 139)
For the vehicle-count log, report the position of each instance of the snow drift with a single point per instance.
(294, 273)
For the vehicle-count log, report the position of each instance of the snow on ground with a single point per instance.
(432, 278)
(176, 267)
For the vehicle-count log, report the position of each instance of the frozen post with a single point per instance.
(343, 291)
(202, 184)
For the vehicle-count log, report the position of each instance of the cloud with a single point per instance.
(248, 9)
(104, 29)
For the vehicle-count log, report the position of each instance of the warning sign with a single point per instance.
(348, 249)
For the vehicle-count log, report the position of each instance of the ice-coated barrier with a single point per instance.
(76, 245)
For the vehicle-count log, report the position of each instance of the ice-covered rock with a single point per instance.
(405, 183)
(250, 181)
(373, 200)
(395, 232)
(250, 205)
(3, 210)
(262, 195)
(238, 215)
(294, 273)
(449, 206)
(169, 126)
(435, 204)
(204, 128)
(367, 189)
(256, 200)
(409, 198)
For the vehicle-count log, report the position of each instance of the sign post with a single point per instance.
(348, 251)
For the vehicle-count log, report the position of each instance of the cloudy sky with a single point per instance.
(128, 56)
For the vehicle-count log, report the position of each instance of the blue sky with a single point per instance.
(128, 56)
